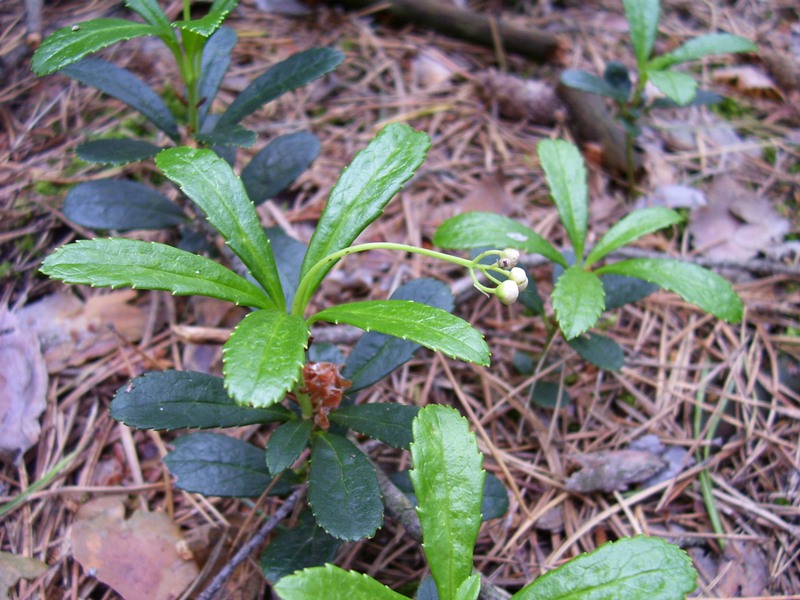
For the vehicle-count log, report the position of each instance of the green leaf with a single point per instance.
(71, 43)
(169, 400)
(281, 161)
(151, 12)
(486, 229)
(434, 328)
(305, 545)
(286, 444)
(321, 582)
(621, 290)
(678, 87)
(630, 228)
(343, 489)
(642, 16)
(694, 284)
(384, 421)
(375, 355)
(586, 82)
(288, 256)
(599, 350)
(448, 480)
(297, 70)
(211, 183)
(703, 45)
(364, 188)
(213, 65)
(263, 357)
(469, 588)
(235, 136)
(120, 204)
(636, 568)
(218, 465)
(211, 22)
(566, 176)
(549, 394)
(126, 87)
(116, 151)
(120, 262)
(578, 299)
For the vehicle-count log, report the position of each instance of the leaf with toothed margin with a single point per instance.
(263, 357)
(319, 582)
(118, 262)
(431, 327)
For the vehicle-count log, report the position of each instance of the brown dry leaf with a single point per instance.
(519, 98)
(432, 69)
(613, 470)
(749, 80)
(143, 557)
(72, 332)
(736, 224)
(23, 387)
(744, 572)
(13, 568)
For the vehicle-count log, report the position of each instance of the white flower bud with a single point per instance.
(507, 292)
(509, 258)
(519, 277)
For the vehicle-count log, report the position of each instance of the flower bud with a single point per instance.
(509, 258)
(507, 292)
(519, 277)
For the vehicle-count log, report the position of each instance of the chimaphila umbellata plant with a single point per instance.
(679, 88)
(202, 50)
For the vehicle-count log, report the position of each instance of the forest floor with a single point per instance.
(681, 366)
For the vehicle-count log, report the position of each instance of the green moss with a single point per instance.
(7, 270)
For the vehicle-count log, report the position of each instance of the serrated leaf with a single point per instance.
(431, 327)
(642, 16)
(599, 350)
(211, 22)
(120, 204)
(169, 400)
(116, 151)
(305, 545)
(703, 45)
(278, 164)
(151, 12)
(678, 87)
(578, 299)
(263, 357)
(214, 64)
(320, 582)
(211, 183)
(375, 355)
(364, 188)
(126, 87)
(586, 82)
(448, 480)
(384, 421)
(694, 284)
(287, 443)
(630, 228)
(234, 136)
(343, 489)
(297, 70)
(566, 177)
(218, 465)
(71, 43)
(120, 262)
(636, 568)
(484, 229)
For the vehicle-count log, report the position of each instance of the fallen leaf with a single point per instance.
(675, 457)
(741, 571)
(143, 557)
(519, 98)
(749, 80)
(23, 387)
(13, 568)
(613, 470)
(431, 69)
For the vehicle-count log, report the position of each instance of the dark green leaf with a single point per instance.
(321, 582)
(694, 284)
(599, 350)
(286, 444)
(431, 327)
(209, 24)
(281, 161)
(151, 12)
(71, 43)
(217, 465)
(125, 86)
(703, 45)
(427, 590)
(485, 229)
(263, 357)
(586, 82)
(214, 64)
(621, 290)
(678, 87)
(120, 204)
(636, 568)
(578, 299)
(120, 262)
(549, 394)
(375, 355)
(643, 16)
(448, 480)
(630, 228)
(235, 135)
(618, 77)
(387, 422)
(364, 188)
(116, 151)
(289, 255)
(297, 70)
(183, 399)
(343, 489)
(305, 545)
(701, 98)
(211, 183)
